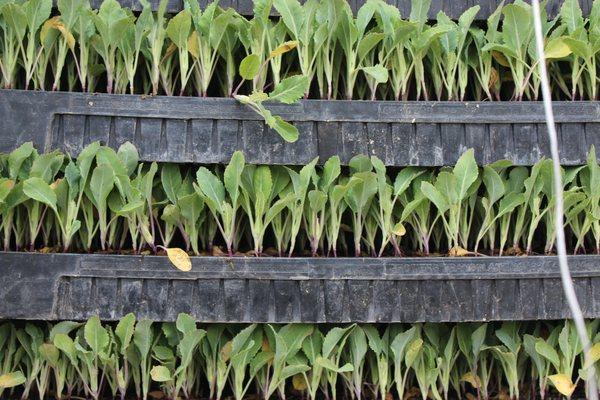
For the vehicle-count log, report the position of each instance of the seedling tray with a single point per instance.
(209, 130)
(452, 8)
(74, 286)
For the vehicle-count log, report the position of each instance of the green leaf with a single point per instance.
(330, 365)
(548, 352)
(493, 184)
(49, 352)
(419, 10)
(377, 72)
(404, 179)
(124, 331)
(437, 198)
(367, 43)
(509, 203)
(287, 131)
(360, 163)
(128, 155)
(171, 180)
(359, 195)
(95, 335)
(290, 90)
(571, 15)
(38, 190)
(17, 157)
(211, 188)
(185, 323)
(142, 337)
(233, 174)
(65, 344)
(178, 28)
(466, 173)
(292, 14)
(249, 66)
(102, 183)
(64, 327)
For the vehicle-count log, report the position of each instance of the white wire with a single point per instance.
(592, 392)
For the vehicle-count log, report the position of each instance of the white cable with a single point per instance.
(561, 247)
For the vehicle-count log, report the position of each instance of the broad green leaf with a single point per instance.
(466, 173)
(38, 190)
(124, 331)
(65, 344)
(548, 352)
(49, 352)
(95, 335)
(211, 188)
(330, 365)
(571, 15)
(435, 196)
(249, 66)
(128, 155)
(178, 28)
(292, 14)
(377, 72)
(232, 175)
(290, 90)
(171, 180)
(102, 183)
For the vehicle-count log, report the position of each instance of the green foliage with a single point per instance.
(441, 361)
(373, 54)
(107, 200)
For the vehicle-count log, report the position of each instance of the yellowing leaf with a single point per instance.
(593, 355)
(494, 77)
(179, 258)
(399, 229)
(563, 384)
(160, 373)
(121, 380)
(172, 48)
(56, 23)
(299, 382)
(472, 379)
(194, 45)
(258, 97)
(500, 59)
(54, 184)
(12, 379)
(458, 251)
(226, 351)
(557, 48)
(265, 346)
(157, 394)
(283, 48)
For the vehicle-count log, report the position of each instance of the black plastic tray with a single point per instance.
(452, 8)
(209, 130)
(73, 286)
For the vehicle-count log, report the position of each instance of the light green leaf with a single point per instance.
(249, 66)
(38, 190)
(290, 90)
